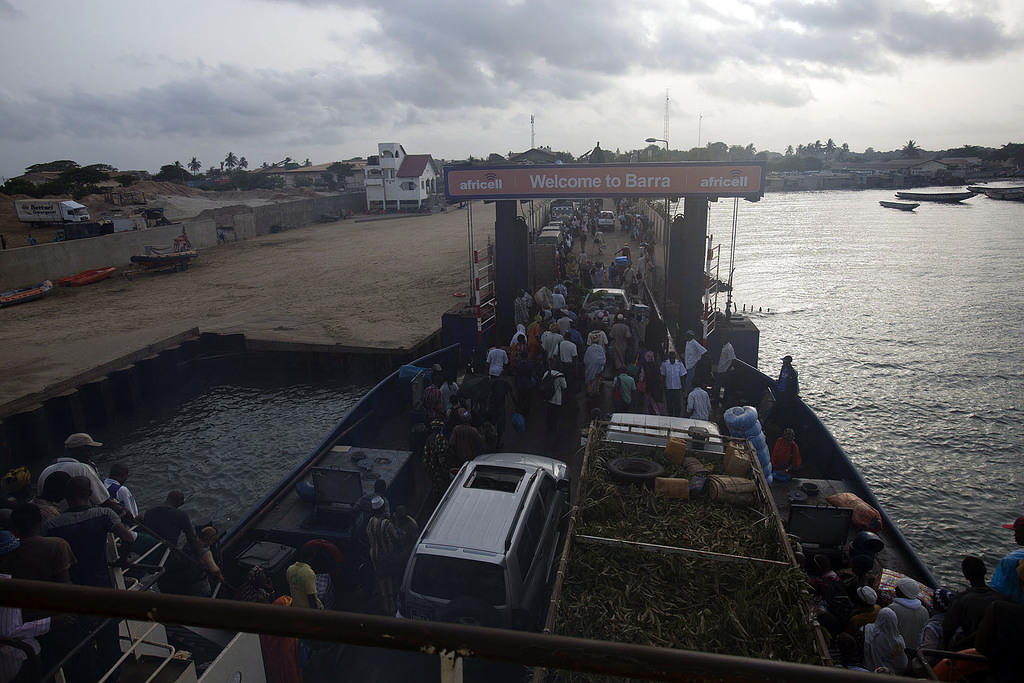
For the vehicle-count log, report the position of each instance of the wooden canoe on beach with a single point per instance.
(87, 277)
(25, 294)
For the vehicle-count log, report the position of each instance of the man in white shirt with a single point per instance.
(550, 340)
(673, 371)
(567, 354)
(724, 368)
(691, 356)
(555, 402)
(497, 359)
(118, 491)
(77, 448)
(698, 404)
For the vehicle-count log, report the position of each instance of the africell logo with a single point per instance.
(490, 181)
(736, 178)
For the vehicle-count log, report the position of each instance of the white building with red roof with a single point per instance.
(396, 180)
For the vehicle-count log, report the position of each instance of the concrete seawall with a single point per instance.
(31, 265)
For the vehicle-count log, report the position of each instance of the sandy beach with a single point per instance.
(382, 283)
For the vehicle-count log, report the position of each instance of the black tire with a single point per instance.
(633, 470)
(469, 612)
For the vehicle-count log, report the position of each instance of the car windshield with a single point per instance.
(604, 300)
(449, 578)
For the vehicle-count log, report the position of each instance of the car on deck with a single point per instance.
(487, 555)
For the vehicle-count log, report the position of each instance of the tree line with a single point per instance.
(232, 173)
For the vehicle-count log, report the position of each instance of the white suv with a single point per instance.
(487, 555)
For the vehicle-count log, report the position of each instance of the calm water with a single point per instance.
(908, 333)
(226, 444)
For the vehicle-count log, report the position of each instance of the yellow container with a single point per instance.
(675, 450)
(670, 487)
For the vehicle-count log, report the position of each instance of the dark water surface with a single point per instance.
(227, 442)
(907, 329)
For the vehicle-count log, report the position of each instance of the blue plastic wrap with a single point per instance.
(742, 422)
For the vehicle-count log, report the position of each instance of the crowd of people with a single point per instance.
(878, 630)
(57, 529)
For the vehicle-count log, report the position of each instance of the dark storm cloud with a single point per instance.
(450, 58)
(9, 11)
(901, 28)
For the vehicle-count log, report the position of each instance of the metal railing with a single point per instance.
(451, 642)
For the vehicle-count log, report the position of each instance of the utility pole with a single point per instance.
(700, 119)
(665, 134)
(533, 137)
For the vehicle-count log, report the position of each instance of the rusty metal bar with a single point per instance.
(529, 649)
(672, 550)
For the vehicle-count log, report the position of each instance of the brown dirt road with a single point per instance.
(382, 283)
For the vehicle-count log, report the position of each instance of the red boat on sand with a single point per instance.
(87, 277)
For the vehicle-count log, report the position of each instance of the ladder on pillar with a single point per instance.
(711, 283)
(484, 290)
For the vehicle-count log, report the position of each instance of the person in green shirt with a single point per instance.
(625, 389)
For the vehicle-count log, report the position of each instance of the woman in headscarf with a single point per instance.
(883, 644)
(533, 333)
(593, 368)
(520, 329)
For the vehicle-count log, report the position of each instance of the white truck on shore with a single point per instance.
(51, 211)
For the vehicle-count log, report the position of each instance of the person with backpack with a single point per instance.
(552, 388)
(118, 491)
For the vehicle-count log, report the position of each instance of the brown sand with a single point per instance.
(382, 283)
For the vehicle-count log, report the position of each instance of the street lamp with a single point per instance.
(664, 258)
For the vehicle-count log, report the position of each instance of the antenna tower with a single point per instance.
(533, 137)
(665, 135)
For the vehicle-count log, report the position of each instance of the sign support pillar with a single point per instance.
(511, 260)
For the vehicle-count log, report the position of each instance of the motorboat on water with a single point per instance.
(1015, 194)
(902, 206)
(941, 197)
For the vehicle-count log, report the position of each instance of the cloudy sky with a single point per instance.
(141, 84)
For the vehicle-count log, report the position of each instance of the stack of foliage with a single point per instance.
(740, 607)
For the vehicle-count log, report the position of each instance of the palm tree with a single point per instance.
(911, 150)
(242, 163)
(830, 147)
(230, 161)
(817, 146)
(789, 150)
(181, 170)
(195, 165)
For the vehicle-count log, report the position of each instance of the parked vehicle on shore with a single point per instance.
(51, 211)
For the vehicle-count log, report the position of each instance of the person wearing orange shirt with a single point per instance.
(786, 454)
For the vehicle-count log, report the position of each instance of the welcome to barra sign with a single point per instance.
(683, 179)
